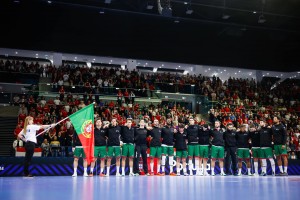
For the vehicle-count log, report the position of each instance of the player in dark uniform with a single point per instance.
(204, 148)
(217, 149)
(167, 134)
(266, 147)
(100, 134)
(192, 131)
(255, 149)
(140, 138)
(127, 136)
(279, 138)
(231, 148)
(180, 138)
(154, 133)
(243, 153)
(114, 149)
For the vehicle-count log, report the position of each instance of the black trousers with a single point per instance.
(231, 155)
(140, 150)
(29, 147)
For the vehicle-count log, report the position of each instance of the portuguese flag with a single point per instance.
(83, 122)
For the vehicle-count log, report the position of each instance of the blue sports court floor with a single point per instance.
(143, 187)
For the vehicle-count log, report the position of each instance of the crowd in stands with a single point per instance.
(237, 100)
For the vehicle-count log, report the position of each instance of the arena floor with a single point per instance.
(142, 187)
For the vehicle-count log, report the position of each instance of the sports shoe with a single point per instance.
(74, 175)
(172, 174)
(213, 174)
(239, 174)
(280, 174)
(285, 174)
(191, 173)
(223, 174)
(118, 175)
(178, 174)
(199, 173)
(148, 174)
(249, 174)
(263, 174)
(136, 174)
(85, 175)
(91, 175)
(107, 175)
(131, 174)
(160, 174)
(29, 176)
(123, 174)
(186, 174)
(102, 175)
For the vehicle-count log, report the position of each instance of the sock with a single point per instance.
(118, 169)
(272, 164)
(264, 165)
(163, 163)
(240, 171)
(256, 167)
(249, 170)
(285, 169)
(130, 170)
(151, 167)
(107, 170)
(101, 170)
(91, 170)
(171, 163)
(85, 170)
(222, 170)
(190, 165)
(280, 168)
(75, 170)
(184, 170)
(123, 170)
(158, 168)
(197, 166)
(212, 170)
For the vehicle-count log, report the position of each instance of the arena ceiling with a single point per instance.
(253, 34)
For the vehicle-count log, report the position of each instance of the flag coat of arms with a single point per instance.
(83, 122)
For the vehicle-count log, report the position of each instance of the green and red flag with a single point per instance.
(83, 122)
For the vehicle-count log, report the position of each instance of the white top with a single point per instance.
(31, 133)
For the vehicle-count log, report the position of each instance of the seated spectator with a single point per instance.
(45, 148)
(16, 100)
(55, 147)
(17, 143)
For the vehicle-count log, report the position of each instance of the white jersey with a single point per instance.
(31, 133)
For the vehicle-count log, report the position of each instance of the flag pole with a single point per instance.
(51, 127)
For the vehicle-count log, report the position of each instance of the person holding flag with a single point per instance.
(78, 152)
(83, 122)
(100, 146)
(28, 135)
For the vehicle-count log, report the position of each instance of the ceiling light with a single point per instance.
(149, 7)
(189, 11)
(261, 19)
(176, 21)
(225, 16)
(254, 12)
